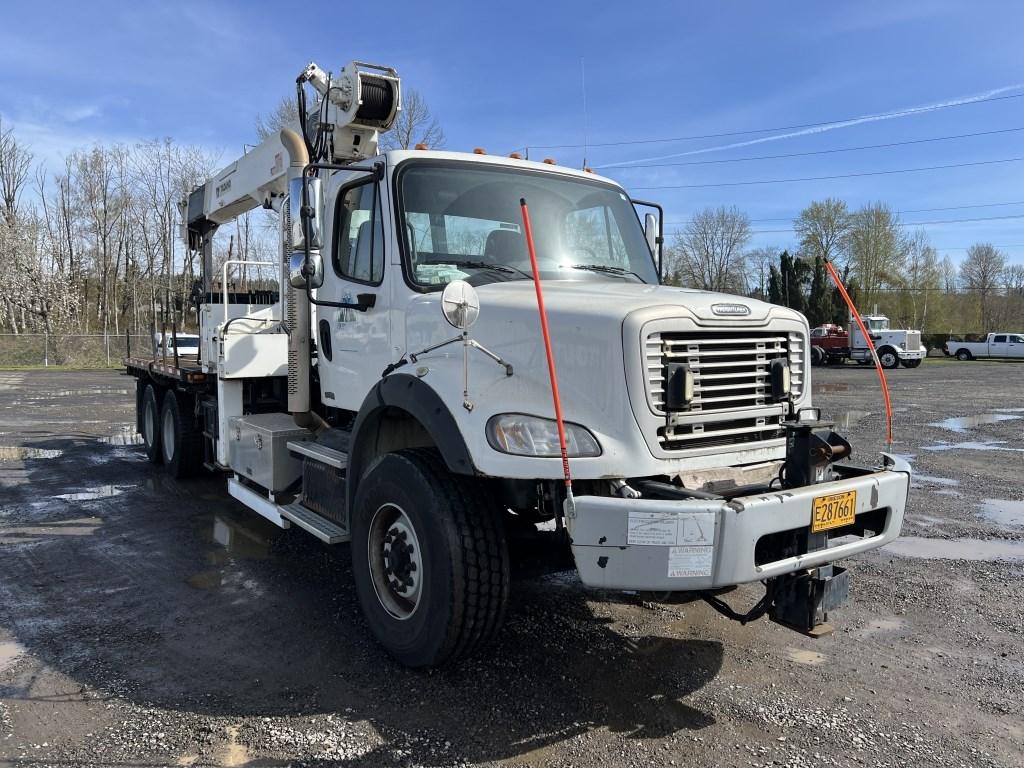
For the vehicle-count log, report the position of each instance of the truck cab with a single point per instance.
(894, 347)
(396, 394)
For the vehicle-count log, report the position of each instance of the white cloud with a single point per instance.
(891, 115)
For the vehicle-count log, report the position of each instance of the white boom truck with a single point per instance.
(364, 405)
(894, 346)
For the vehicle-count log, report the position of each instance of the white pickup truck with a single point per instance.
(995, 345)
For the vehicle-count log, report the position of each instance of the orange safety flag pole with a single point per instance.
(528, 232)
(871, 346)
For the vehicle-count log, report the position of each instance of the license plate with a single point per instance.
(833, 511)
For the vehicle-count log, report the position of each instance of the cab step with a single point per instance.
(321, 453)
(324, 529)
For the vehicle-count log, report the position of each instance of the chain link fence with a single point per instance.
(72, 350)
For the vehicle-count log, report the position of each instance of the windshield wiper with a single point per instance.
(607, 269)
(472, 264)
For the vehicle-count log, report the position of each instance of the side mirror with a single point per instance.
(651, 232)
(304, 219)
(300, 271)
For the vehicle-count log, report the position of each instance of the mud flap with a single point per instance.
(802, 601)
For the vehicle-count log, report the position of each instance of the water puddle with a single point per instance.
(21, 452)
(126, 435)
(974, 445)
(956, 549)
(849, 419)
(9, 653)
(924, 481)
(1003, 512)
(961, 424)
(96, 492)
(947, 492)
(239, 540)
(19, 534)
(822, 387)
(76, 393)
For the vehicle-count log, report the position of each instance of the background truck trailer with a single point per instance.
(394, 393)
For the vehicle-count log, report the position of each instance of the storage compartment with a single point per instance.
(258, 449)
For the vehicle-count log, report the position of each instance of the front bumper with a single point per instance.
(913, 354)
(654, 545)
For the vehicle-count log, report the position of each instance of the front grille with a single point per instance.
(732, 388)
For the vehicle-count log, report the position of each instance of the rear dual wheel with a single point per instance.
(169, 431)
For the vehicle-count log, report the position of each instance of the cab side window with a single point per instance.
(999, 340)
(359, 235)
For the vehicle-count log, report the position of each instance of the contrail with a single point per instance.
(829, 126)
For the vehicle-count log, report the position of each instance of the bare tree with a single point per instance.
(284, 115)
(708, 252)
(983, 271)
(15, 167)
(759, 264)
(824, 229)
(877, 249)
(416, 124)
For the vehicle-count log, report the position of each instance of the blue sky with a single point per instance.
(505, 76)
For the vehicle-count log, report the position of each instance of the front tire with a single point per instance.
(963, 355)
(429, 559)
(888, 358)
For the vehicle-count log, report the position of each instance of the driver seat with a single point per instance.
(504, 246)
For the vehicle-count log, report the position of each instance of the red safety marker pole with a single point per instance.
(871, 347)
(528, 232)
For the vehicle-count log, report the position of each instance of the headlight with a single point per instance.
(523, 435)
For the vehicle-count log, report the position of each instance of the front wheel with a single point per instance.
(963, 355)
(911, 363)
(429, 559)
(888, 358)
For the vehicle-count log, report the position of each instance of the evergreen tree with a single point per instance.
(775, 286)
(819, 304)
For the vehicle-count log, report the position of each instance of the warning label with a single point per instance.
(690, 561)
(666, 529)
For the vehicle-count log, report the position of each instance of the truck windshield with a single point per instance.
(462, 221)
(877, 323)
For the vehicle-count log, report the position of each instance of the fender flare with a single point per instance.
(419, 400)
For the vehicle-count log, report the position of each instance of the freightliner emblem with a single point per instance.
(730, 309)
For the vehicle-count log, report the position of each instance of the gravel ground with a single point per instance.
(148, 622)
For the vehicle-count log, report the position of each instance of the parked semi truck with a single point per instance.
(830, 344)
(395, 395)
(1008, 345)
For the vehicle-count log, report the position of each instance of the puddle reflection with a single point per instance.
(1003, 512)
(21, 452)
(961, 424)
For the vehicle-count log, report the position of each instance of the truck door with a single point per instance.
(1014, 346)
(353, 345)
(998, 347)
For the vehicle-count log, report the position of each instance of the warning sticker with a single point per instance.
(666, 529)
(690, 561)
(652, 529)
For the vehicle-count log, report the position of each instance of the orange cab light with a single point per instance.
(549, 161)
(479, 151)
(421, 146)
(588, 169)
(515, 155)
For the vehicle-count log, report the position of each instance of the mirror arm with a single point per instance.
(660, 240)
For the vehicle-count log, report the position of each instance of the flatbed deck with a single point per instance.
(187, 370)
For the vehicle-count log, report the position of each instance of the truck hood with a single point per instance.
(508, 311)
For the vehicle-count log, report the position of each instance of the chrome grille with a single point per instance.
(732, 402)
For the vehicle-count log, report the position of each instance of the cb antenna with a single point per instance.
(583, 86)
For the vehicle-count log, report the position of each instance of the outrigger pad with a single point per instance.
(803, 600)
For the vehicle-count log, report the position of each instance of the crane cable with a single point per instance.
(528, 232)
(871, 347)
